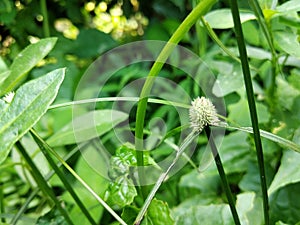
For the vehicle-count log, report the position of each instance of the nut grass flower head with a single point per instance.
(202, 113)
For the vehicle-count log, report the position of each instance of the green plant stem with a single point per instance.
(183, 28)
(222, 175)
(80, 180)
(163, 176)
(62, 177)
(44, 12)
(45, 188)
(267, 30)
(252, 106)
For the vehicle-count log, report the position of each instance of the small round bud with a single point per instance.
(202, 113)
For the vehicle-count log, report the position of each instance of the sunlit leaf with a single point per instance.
(288, 6)
(30, 102)
(289, 170)
(25, 61)
(222, 18)
(249, 209)
(209, 215)
(288, 42)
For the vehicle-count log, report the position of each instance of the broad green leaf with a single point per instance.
(285, 205)
(288, 42)
(120, 193)
(286, 93)
(30, 102)
(267, 4)
(208, 215)
(158, 214)
(289, 6)
(87, 126)
(25, 61)
(289, 170)
(222, 18)
(249, 209)
(234, 152)
(205, 182)
(228, 81)
(272, 137)
(239, 113)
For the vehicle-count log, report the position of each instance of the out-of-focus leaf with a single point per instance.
(288, 42)
(91, 43)
(285, 204)
(3, 66)
(222, 18)
(228, 81)
(249, 209)
(97, 182)
(25, 61)
(158, 214)
(4, 75)
(30, 102)
(87, 126)
(120, 193)
(286, 93)
(289, 170)
(208, 215)
(7, 11)
(289, 6)
(234, 153)
(51, 218)
(37, 157)
(205, 182)
(239, 113)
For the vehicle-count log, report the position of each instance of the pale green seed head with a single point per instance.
(202, 113)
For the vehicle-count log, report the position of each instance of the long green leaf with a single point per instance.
(87, 126)
(30, 102)
(272, 137)
(25, 61)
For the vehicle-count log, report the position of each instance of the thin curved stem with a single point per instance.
(184, 27)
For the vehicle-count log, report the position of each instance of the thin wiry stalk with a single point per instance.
(222, 175)
(252, 106)
(45, 188)
(86, 186)
(62, 177)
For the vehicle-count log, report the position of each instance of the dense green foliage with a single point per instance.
(65, 155)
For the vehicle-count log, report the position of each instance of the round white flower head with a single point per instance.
(202, 113)
(9, 97)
